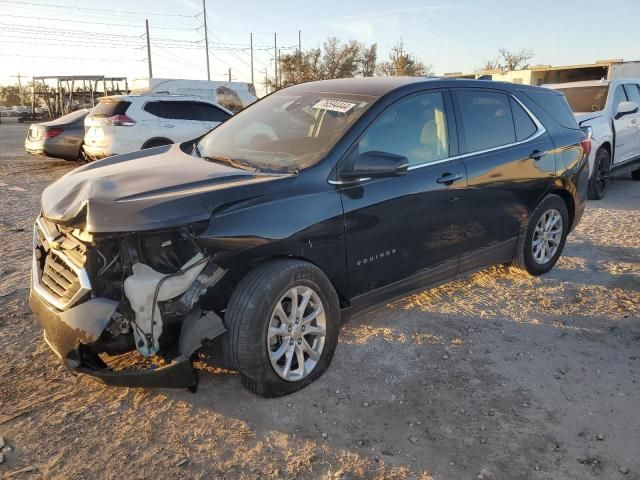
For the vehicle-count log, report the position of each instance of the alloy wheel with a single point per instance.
(547, 236)
(296, 335)
(602, 175)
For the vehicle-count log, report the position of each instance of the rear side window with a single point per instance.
(555, 105)
(486, 118)
(632, 92)
(173, 110)
(196, 111)
(525, 126)
(109, 107)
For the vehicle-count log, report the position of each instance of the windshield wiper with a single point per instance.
(232, 162)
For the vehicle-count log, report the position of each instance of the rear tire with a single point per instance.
(542, 239)
(599, 180)
(265, 330)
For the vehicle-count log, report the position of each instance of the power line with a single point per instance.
(163, 27)
(70, 58)
(111, 11)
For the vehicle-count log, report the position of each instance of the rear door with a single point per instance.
(398, 226)
(179, 119)
(510, 163)
(625, 128)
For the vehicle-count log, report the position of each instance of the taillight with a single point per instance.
(53, 132)
(120, 121)
(586, 146)
(586, 143)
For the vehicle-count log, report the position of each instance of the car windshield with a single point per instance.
(284, 132)
(586, 99)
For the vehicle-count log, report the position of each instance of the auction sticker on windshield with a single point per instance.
(334, 105)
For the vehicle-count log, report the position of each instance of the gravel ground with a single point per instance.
(497, 376)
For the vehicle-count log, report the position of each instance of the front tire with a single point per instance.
(543, 238)
(283, 321)
(635, 175)
(599, 180)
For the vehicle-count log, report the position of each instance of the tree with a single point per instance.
(10, 95)
(509, 61)
(334, 60)
(368, 58)
(402, 63)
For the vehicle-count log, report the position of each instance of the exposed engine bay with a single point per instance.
(124, 292)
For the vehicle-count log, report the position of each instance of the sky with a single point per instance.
(107, 37)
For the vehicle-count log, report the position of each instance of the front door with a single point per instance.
(625, 129)
(399, 226)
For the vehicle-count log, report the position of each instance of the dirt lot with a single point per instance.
(498, 376)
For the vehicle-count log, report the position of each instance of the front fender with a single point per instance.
(307, 226)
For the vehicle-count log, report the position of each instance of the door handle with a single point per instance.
(634, 120)
(449, 178)
(168, 125)
(537, 155)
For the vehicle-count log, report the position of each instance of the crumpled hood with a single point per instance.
(586, 116)
(155, 188)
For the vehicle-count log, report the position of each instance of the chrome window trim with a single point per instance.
(83, 277)
(540, 131)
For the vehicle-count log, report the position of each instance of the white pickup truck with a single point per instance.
(607, 110)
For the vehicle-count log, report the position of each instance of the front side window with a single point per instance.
(415, 127)
(285, 132)
(632, 92)
(618, 97)
(487, 120)
(210, 113)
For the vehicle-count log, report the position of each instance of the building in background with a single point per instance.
(544, 74)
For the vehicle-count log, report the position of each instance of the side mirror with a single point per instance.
(625, 108)
(377, 165)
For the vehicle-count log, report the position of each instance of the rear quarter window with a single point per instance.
(109, 107)
(556, 106)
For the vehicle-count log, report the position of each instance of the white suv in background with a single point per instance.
(127, 123)
(607, 110)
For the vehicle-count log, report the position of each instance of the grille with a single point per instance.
(58, 260)
(59, 279)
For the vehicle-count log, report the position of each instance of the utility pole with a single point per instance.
(33, 96)
(299, 57)
(148, 49)
(275, 53)
(229, 75)
(206, 36)
(19, 77)
(251, 43)
(266, 82)
(280, 71)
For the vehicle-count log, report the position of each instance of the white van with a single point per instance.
(232, 95)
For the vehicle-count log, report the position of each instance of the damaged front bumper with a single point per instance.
(65, 331)
(77, 323)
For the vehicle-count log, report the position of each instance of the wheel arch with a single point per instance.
(607, 146)
(234, 275)
(159, 140)
(569, 202)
